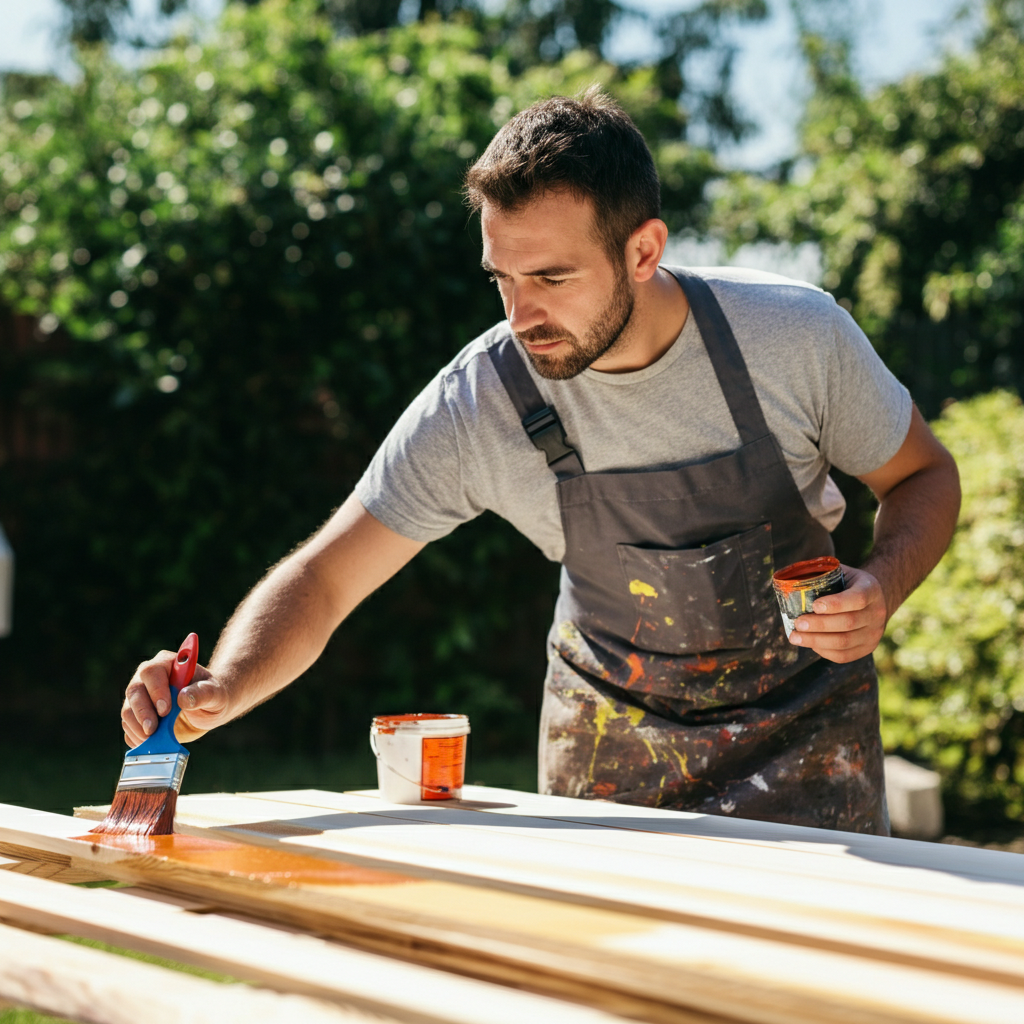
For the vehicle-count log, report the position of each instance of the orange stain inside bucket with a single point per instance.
(798, 575)
(387, 724)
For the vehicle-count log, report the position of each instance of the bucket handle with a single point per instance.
(444, 790)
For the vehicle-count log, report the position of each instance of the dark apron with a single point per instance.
(670, 680)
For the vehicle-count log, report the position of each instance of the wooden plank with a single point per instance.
(979, 934)
(57, 977)
(847, 847)
(540, 942)
(343, 905)
(275, 958)
(44, 869)
(280, 824)
(47, 865)
(993, 864)
(969, 872)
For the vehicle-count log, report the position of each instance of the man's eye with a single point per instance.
(554, 284)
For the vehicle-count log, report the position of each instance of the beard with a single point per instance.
(601, 335)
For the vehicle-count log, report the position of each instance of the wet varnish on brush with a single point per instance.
(147, 792)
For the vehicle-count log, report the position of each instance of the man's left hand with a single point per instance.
(848, 625)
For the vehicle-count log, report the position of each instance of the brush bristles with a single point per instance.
(140, 812)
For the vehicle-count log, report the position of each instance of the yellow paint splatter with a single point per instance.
(681, 758)
(603, 714)
(641, 589)
(669, 621)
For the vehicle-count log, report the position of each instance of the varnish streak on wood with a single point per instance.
(255, 863)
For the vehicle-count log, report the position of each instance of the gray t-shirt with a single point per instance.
(459, 448)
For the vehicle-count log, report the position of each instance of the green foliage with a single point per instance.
(246, 257)
(952, 661)
(19, 1015)
(523, 34)
(916, 195)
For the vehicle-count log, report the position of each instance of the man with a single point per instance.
(667, 436)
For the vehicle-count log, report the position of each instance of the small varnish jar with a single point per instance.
(799, 585)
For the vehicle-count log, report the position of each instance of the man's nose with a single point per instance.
(525, 310)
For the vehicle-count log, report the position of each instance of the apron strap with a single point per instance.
(540, 421)
(726, 358)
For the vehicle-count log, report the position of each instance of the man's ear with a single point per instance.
(644, 249)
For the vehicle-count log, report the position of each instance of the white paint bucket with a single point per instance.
(420, 757)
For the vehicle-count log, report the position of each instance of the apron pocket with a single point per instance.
(697, 599)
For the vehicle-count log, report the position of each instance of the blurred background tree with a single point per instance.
(914, 194)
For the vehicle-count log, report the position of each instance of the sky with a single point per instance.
(897, 36)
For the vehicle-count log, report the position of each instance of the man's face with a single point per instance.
(565, 300)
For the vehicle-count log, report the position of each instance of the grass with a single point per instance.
(20, 1015)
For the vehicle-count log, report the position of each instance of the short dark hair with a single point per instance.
(588, 147)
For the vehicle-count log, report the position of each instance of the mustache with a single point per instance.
(544, 334)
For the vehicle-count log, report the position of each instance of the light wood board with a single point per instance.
(282, 959)
(972, 928)
(58, 977)
(689, 967)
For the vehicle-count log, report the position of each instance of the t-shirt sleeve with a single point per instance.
(868, 412)
(414, 483)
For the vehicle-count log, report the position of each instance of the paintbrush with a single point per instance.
(147, 792)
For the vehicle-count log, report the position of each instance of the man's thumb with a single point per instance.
(201, 695)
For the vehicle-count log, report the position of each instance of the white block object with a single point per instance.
(915, 799)
(6, 584)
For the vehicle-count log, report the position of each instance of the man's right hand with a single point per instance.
(204, 702)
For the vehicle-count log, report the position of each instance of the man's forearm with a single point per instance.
(282, 627)
(918, 492)
(913, 528)
(275, 634)
(278, 631)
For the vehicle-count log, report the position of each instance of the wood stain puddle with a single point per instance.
(256, 863)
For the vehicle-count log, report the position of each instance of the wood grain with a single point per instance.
(968, 927)
(281, 959)
(595, 953)
(56, 977)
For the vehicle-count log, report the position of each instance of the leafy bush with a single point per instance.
(952, 661)
(914, 193)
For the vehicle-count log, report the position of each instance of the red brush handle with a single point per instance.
(185, 663)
